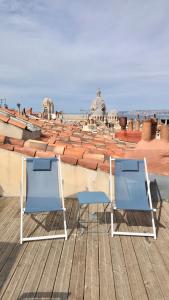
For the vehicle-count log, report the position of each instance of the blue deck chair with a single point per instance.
(44, 192)
(132, 191)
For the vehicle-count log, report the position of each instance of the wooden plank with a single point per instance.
(8, 210)
(22, 257)
(148, 274)
(121, 280)
(163, 224)
(67, 268)
(11, 255)
(48, 277)
(134, 275)
(23, 261)
(36, 271)
(11, 241)
(62, 280)
(76, 287)
(159, 263)
(92, 258)
(107, 287)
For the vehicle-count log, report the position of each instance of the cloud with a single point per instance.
(52, 48)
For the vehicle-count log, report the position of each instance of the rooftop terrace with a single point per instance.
(86, 266)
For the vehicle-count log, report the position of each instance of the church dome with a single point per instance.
(98, 106)
(46, 101)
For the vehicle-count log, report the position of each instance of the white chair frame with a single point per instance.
(22, 209)
(129, 233)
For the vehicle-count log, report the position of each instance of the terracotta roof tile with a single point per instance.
(57, 138)
(87, 137)
(65, 132)
(99, 144)
(118, 153)
(7, 147)
(11, 111)
(108, 137)
(17, 123)
(94, 156)
(76, 145)
(18, 149)
(59, 129)
(88, 146)
(13, 141)
(45, 135)
(112, 147)
(64, 138)
(45, 154)
(105, 152)
(88, 163)
(2, 139)
(69, 159)
(77, 134)
(105, 166)
(59, 143)
(52, 140)
(4, 118)
(99, 140)
(59, 149)
(44, 139)
(75, 139)
(36, 144)
(78, 152)
(129, 136)
(28, 151)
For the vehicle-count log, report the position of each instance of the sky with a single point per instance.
(66, 49)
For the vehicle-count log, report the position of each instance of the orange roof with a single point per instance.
(17, 123)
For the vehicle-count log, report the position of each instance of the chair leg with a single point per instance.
(65, 225)
(21, 227)
(114, 232)
(153, 224)
(112, 223)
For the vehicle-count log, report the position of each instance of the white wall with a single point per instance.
(18, 133)
(10, 130)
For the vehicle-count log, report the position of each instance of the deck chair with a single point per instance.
(132, 191)
(44, 192)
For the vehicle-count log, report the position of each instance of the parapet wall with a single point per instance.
(75, 178)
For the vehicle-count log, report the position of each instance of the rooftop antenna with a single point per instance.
(2, 102)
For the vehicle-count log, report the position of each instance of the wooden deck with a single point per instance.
(86, 266)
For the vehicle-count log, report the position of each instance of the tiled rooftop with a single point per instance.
(18, 120)
(87, 149)
(90, 153)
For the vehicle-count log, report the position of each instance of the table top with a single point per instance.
(87, 197)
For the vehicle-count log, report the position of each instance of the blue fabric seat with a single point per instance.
(132, 191)
(130, 185)
(44, 192)
(42, 185)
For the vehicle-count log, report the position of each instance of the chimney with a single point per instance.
(130, 125)
(149, 129)
(164, 133)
